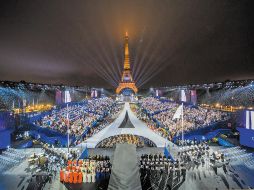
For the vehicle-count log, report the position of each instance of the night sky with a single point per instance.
(171, 42)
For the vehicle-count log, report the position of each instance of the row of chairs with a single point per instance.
(235, 152)
(238, 155)
(241, 158)
(10, 158)
(228, 150)
(250, 163)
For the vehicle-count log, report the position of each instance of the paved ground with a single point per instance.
(202, 177)
(18, 177)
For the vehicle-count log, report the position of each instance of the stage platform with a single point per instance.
(140, 129)
(125, 172)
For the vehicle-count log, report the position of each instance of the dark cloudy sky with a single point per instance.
(80, 42)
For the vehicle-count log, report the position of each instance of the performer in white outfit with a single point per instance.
(93, 177)
(84, 177)
(89, 177)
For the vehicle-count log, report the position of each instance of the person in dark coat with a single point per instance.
(183, 171)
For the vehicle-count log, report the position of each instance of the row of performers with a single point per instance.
(78, 176)
(86, 172)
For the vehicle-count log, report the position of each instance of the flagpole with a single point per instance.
(68, 135)
(182, 124)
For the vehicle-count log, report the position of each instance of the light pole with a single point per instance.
(68, 130)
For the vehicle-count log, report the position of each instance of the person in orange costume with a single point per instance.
(74, 168)
(75, 176)
(80, 177)
(66, 176)
(71, 177)
(69, 162)
(80, 163)
(74, 162)
(62, 175)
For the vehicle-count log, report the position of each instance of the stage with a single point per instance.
(140, 129)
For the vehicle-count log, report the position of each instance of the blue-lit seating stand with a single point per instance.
(51, 136)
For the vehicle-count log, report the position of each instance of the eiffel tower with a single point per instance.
(127, 82)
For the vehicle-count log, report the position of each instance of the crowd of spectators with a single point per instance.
(109, 119)
(153, 105)
(79, 116)
(121, 139)
(152, 109)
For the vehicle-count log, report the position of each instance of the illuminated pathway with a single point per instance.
(113, 129)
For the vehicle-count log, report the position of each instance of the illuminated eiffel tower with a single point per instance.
(127, 82)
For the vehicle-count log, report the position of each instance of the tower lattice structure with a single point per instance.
(127, 81)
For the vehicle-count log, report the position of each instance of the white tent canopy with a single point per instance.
(113, 129)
